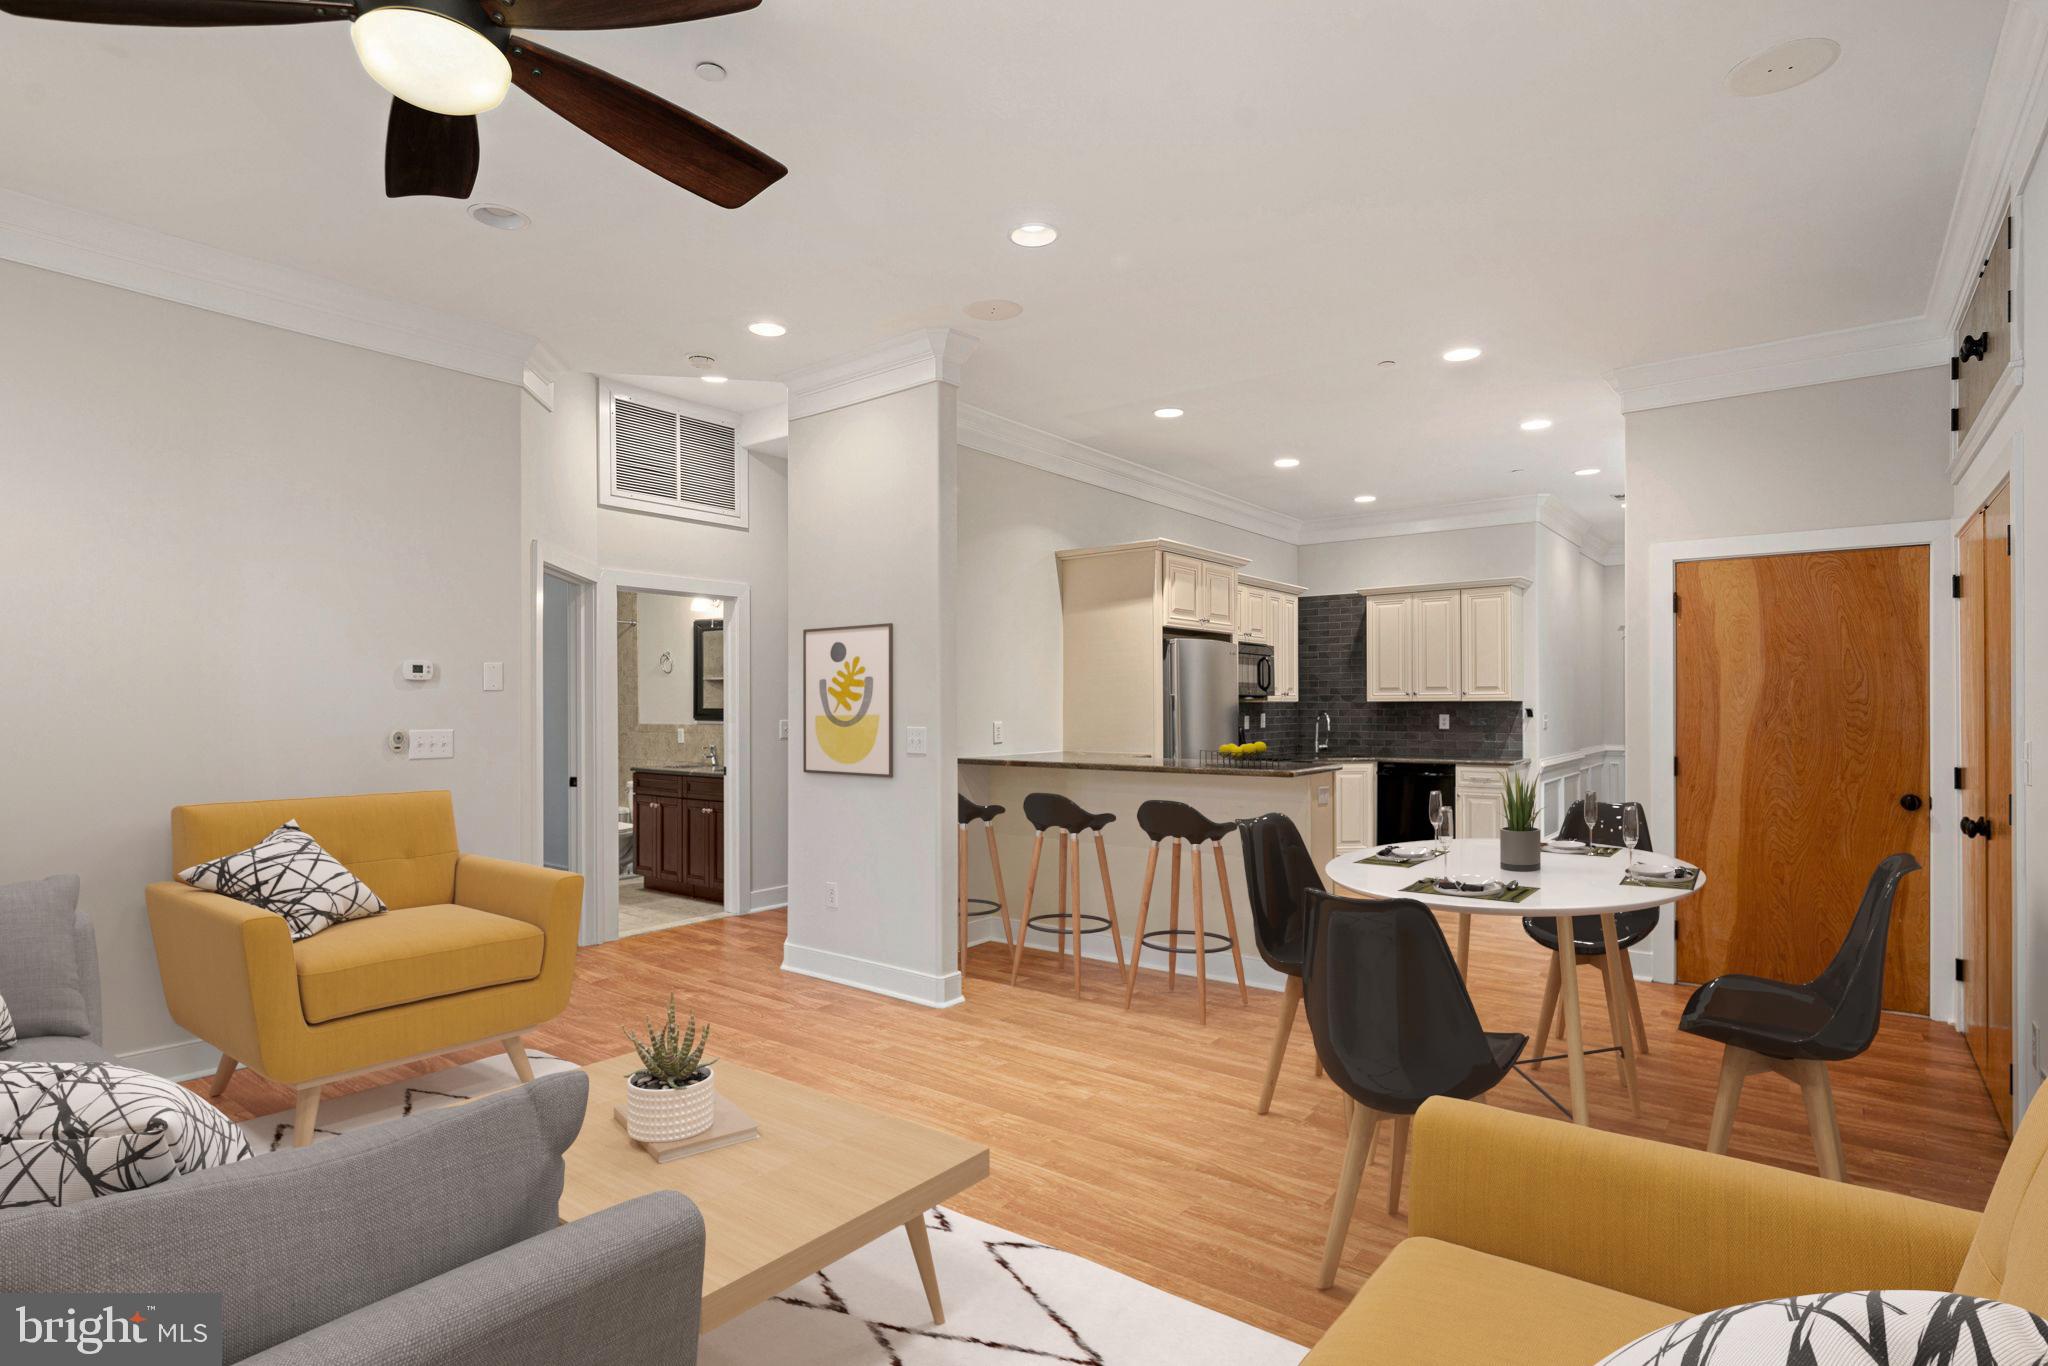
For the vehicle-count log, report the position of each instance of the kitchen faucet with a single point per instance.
(1322, 732)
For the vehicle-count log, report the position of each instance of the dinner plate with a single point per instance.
(1657, 867)
(1414, 849)
(1564, 844)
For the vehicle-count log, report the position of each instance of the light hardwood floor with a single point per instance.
(1130, 1139)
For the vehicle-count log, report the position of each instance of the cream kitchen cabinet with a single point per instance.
(1219, 597)
(1199, 594)
(1357, 820)
(1480, 807)
(1445, 643)
(1269, 613)
(1254, 623)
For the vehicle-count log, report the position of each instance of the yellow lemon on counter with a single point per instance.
(1258, 746)
(847, 744)
(1230, 750)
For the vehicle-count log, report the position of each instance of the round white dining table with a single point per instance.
(1566, 885)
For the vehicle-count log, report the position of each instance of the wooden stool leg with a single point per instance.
(305, 1114)
(1355, 1152)
(222, 1075)
(1144, 905)
(995, 866)
(1075, 873)
(1399, 1162)
(1116, 931)
(1024, 921)
(1613, 967)
(1244, 995)
(1060, 926)
(1173, 908)
(1290, 1002)
(1201, 949)
(1819, 1096)
(963, 899)
(1549, 1015)
(1735, 1065)
(1464, 942)
(1568, 1002)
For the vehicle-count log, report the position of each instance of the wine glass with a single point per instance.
(1436, 813)
(1631, 831)
(1590, 810)
(1442, 822)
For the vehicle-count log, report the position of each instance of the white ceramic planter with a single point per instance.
(666, 1115)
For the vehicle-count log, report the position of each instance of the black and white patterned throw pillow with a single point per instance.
(70, 1131)
(6, 1025)
(1850, 1328)
(290, 874)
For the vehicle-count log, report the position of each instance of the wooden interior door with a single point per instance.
(1984, 797)
(1802, 730)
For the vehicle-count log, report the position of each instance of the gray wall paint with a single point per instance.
(237, 535)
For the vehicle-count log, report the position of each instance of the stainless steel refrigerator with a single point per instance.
(1201, 695)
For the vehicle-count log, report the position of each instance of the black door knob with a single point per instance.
(1911, 801)
(1979, 828)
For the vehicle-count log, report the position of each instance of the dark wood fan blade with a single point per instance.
(429, 153)
(673, 143)
(608, 13)
(184, 13)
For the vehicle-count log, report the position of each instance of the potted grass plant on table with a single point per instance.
(670, 1097)
(1521, 845)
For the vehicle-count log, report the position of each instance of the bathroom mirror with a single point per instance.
(708, 667)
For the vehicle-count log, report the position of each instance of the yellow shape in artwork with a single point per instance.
(847, 744)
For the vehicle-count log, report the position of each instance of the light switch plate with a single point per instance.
(1443, 720)
(914, 740)
(995, 732)
(494, 676)
(782, 729)
(431, 744)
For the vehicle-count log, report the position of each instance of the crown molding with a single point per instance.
(928, 355)
(1008, 439)
(1552, 513)
(538, 376)
(1366, 526)
(1819, 358)
(90, 246)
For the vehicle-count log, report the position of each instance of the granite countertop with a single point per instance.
(1138, 763)
(1428, 759)
(686, 770)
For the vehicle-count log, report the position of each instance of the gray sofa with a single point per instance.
(50, 973)
(430, 1240)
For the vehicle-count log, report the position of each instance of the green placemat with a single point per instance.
(1521, 893)
(1690, 878)
(1397, 862)
(1590, 851)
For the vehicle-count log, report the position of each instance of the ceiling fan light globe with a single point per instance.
(431, 61)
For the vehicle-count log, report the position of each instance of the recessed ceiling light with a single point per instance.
(710, 71)
(1366, 498)
(700, 361)
(1536, 424)
(1034, 235)
(1285, 462)
(1385, 363)
(712, 379)
(1592, 469)
(1784, 66)
(1459, 354)
(765, 329)
(994, 310)
(499, 217)
(1167, 412)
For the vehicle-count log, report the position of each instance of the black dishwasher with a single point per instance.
(1404, 799)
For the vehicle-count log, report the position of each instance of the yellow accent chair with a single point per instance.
(471, 950)
(1542, 1243)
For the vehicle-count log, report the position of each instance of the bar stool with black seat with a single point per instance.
(1186, 827)
(974, 907)
(1394, 1026)
(1588, 942)
(1049, 812)
(1279, 873)
(1797, 1030)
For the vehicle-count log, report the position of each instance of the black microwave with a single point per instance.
(1254, 673)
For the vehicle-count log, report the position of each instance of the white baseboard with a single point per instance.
(884, 979)
(180, 1061)
(768, 899)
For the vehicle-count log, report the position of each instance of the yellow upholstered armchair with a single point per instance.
(471, 950)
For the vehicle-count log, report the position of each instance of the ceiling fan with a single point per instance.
(446, 61)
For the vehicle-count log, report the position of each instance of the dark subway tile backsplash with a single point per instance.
(1332, 633)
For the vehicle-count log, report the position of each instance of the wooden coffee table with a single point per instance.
(826, 1177)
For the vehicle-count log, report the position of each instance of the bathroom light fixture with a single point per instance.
(1589, 470)
(1458, 355)
(1166, 412)
(711, 606)
(1366, 498)
(1536, 424)
(1035, 235)
(712, 379)
(431, 61)
(1285, 462)
(766, 329)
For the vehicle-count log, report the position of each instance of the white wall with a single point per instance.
(223, 540)
(668, 625)
(1485, 552)
(872, 539)
(1614, 654)
(1012, 520)
(558, 609)
(559, 478)
(1570, 602)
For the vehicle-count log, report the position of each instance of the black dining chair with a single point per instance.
(1630, 927)
(1797, 1030)
(1394, 1026)
(1279, 874)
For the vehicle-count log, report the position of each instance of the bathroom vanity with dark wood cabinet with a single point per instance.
(679, 832)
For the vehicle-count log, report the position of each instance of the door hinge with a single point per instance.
(1674, 770)
(1955, 367)
(2008, 305)
(1959, 962)
(1674, 604)
(1955, 585)
(2008, 538)
(1959, 781)
(572, 783)
(1955, 419)
(2008, 809)
(2008, 232)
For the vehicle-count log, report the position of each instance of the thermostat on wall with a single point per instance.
(418, 670)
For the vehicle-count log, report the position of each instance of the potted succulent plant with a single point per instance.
(1521, 845)
(670, 1097)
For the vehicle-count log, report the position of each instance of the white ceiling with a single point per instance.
(1257, 204)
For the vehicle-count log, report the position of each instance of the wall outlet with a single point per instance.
(1443, 720)
(398, 742)
(914, 740)
(995, 732)
(782, 729)
(831, 896)
(494, 676)
(431, 744)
